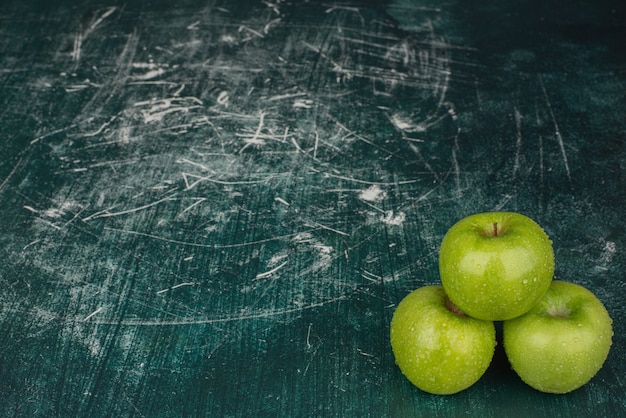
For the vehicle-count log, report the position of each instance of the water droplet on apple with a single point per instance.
(580, 325)
(525, 281)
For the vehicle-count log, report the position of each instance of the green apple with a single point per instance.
(561, 343)
(436, 346)
(496, 265)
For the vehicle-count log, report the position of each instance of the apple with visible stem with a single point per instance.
(496, 265)
(436, 346)
(562, 342)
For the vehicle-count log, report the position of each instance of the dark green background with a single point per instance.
(211, 208)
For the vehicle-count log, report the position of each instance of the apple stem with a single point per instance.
(495, 229)
(453, 308)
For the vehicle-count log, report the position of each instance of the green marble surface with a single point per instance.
(211, 208)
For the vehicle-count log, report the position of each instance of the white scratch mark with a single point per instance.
(455, 164)
(139, 322)
(179, 91)
(308, 337)
(223, 98)
(417, 152)
(97, 311)
(518, 142)
(363, 353)
(333, 8)
(328, 228)
(380, 183)
(191, 185)
(503, 202)
(255, 138)
(281, 200)
(444, 89)
(317, 141)
(80, 37)
(243, 28)
(285, 96)
(557, 130)
(324, 250)
(194, 25)
(31, 244)
(295, 144)
(50, 224)
(201, 166)
(150, 75)
(145, 65)
(101, 129)
(274, 6)
(107, 214)
(374, 207)
(200, 179)
(159, 108)
(217, 346)
(309, 348)
(106, 14)
(58, 131)
(199, 200)
(14, 170)
(371, 277)
(198, 245)
(406, 124)
(78, 87)
(175, 287)
(30, 208)
(303, 104)
(76, 51)
(541, 163)
(270, 272)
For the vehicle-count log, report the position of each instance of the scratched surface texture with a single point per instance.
(212, 208)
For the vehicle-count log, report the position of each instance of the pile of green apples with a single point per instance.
(499, 266)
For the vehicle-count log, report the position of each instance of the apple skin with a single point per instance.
(562, 342)
(496, 273)
(440, 351)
